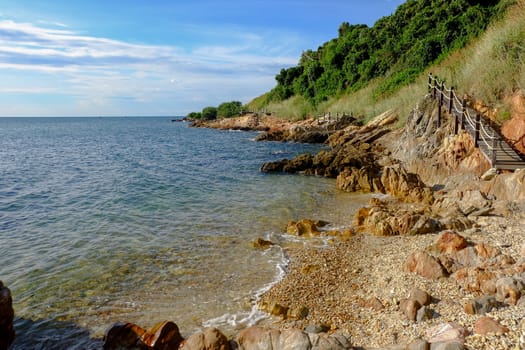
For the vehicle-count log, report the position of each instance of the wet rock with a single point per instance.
(305, 227)
(260, 243)
(486, 325)
(209, 339)
(424, 265)
(7, 333)
(163, 336)
(299, 313)
(125, 336)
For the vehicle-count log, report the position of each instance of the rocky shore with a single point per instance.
(436, 260)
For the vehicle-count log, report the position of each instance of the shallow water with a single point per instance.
(142, 220)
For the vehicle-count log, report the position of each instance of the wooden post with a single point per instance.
(456, 123)
(463, 112)
(493, 148)
(476, 134)
(429, 82)
(440, 103)
(451, 100)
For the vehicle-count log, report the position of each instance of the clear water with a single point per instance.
(142, 220)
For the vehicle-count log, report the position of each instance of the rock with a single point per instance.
(422, 297)
(508, 290)
(258, 338)
(486, 325)
(409, 308)
(418, 344)
(424, 314)
(404, 185)
(293, 339)
(209, 339)
(447, 346)
(299, 313)
(446, 333)
(260, 243)
(163, 336)
(450, 242)
(7, 332)
(316, 328)
(365, 179)
(125, 336)
(475, 279)
(305, 227)
(481, 305)
(329, 342)
(372, 303)
(424, 265)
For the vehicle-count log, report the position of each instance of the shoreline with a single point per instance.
(371, 315)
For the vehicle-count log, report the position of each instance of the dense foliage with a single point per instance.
(398, 47)
(225, 110)
(229, 109)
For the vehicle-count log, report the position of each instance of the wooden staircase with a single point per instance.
(496, 149)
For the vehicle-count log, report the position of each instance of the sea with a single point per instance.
(142, 219)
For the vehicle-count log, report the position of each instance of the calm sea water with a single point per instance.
(142, 220)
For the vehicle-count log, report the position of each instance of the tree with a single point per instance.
(229, 109)
(209, 113)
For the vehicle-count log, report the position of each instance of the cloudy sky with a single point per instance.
(157, 57)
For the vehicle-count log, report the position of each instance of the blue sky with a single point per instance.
(157, 57)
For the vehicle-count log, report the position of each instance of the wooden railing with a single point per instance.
(486, 138)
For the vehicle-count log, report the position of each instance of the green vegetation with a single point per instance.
(476, 46)
(225, 110)
(398, 47)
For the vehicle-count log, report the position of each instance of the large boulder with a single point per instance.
(260, 338)
(404, 185)
(128, 336)
(209, 339)
(7, 333)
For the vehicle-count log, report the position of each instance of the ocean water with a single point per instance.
(143, 220)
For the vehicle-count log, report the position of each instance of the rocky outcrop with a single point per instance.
(391, 218)
(7, 333)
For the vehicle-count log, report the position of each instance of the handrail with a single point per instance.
(479, 127)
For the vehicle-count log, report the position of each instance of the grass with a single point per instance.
(490, 69)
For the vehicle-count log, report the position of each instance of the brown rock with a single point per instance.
(474, 279)
(450, 242)
(508, 290)
(258, 338)
(209, 339)
(304, 227)
(409, 308)
(260, 243)
(7, 333)
(480, 305)
(422, 297)
(424, 265)
(486, 325)
(125, 336)
(404, 185)
(373, 303)
(163, 336)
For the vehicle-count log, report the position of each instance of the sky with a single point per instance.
(157, 57)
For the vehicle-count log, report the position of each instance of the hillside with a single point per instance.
(368, 70)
